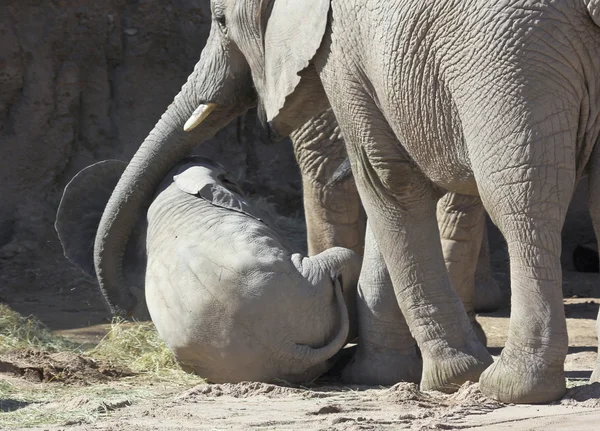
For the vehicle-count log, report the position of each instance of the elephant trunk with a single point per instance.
(308, 357)
(129, 197)
(166, 144)
(338, 268)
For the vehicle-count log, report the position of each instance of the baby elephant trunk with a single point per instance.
(312, 362)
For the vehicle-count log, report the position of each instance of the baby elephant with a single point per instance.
(227, 295)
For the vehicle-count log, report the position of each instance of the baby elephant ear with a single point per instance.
(294, 33)
(200, 181)
(81, 208)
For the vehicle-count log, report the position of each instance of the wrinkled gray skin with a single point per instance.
(495, 101)
(335, 217)
(333, 212)
(225, 293)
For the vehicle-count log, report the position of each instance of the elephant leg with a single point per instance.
(461, 222)
(333, 212)
(488, 296)
(386, 352)
(594, 206)
(530, 213)
(334, 216)
(400, 204)
(406, 230)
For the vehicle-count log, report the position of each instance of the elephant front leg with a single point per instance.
(461, 221)
(387, 352)
(401, 209)
(332, 208)
(400, 203)
(409, 239)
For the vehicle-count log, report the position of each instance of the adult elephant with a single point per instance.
(335, 217)
(226, 293)
(491, 101)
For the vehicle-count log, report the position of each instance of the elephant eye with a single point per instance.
(218, 12)
(221, 21)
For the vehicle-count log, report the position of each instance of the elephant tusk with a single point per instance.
(199, 116)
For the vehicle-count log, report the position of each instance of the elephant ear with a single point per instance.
(200, 181)
(293, 35)
(81, 208)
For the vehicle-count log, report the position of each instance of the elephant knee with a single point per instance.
(394, 183)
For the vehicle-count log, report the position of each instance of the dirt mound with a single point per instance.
(470, 395)
(435, 410)
(238, 390)
(63, 367)
(467, 395)
(402, 392)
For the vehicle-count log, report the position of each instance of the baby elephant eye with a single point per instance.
(228, 183)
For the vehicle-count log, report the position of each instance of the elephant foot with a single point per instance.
(521, 379)
(382, 368)
(448, 368)
(487, 296)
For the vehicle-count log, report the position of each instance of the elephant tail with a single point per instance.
(593, 7)
(81, 208)
(341, 174)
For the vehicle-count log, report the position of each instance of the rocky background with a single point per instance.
(82, 81)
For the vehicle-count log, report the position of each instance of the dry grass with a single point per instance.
(139, 347)
(136, 346)
(18, 332)
(45, 404)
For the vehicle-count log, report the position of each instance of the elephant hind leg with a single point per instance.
(594, 206)
(528, 203)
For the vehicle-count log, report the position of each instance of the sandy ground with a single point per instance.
(268, 407)
(329, 407)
